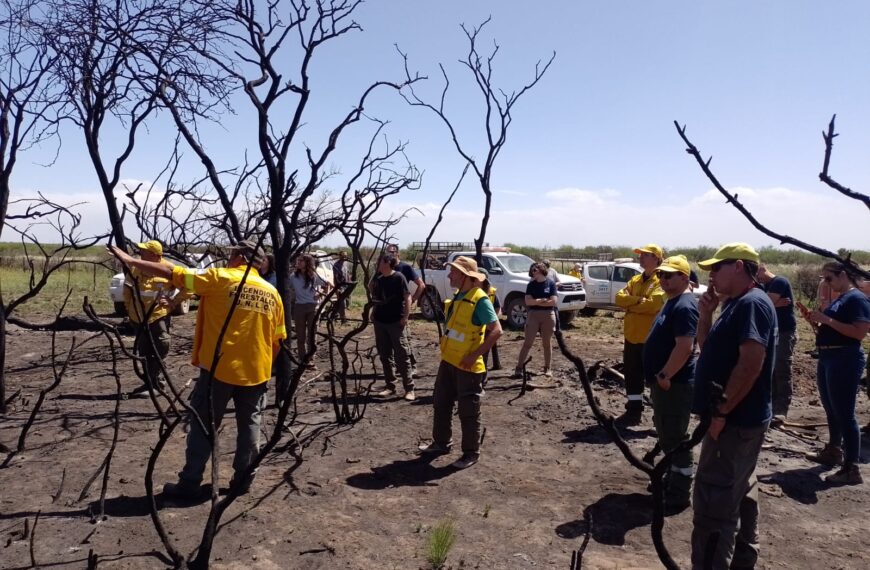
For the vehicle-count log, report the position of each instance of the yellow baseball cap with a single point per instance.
(651, 248)
(152, 246)
(675, 264)
(730, 251)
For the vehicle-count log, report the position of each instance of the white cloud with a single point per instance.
(587, 217)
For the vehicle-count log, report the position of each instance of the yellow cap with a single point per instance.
(675, 264)
(152, 246)
(651, 248)
(730, 251)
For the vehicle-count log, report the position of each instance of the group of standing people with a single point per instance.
(734, 371)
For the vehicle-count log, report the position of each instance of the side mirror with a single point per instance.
(495, 271)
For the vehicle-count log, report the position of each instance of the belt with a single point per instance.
(831, 346)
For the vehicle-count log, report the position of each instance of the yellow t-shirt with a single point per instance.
(257, 324)
(150, 290)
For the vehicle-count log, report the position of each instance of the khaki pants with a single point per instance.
(726, 500)
(543, 322)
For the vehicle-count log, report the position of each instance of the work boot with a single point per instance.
(245, 486)
(849, 474)
(830, 455)
(182, 490)
(633, 415)
(518, 374)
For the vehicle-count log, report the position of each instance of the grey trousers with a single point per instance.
(303, 316)
(391, 340)
(782, 386)
(725, 500)
(249, 402)
(456, 385)
(153, 348)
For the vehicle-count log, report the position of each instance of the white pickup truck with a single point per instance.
(604, 279)
(509, 274)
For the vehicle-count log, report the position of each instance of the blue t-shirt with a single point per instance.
(749, 317)
(409, 272)
(541, 290)
(484, 312)
(784, 315)
(850, 307)
(679, 317)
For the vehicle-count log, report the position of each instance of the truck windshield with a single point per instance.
(516, 263)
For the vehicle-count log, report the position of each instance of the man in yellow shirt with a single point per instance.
(148, 301)
(242, 371)
(642, 298)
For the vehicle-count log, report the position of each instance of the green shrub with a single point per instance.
(440, 542)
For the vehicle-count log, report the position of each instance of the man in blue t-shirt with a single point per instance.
(669, 370)
(411, 276)
(737, 354)
(778, 289)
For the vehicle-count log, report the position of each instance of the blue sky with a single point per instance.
(592, 156)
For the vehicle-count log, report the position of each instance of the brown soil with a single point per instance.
(362, 499)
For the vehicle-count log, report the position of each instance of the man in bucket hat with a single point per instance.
(472, 328)
(737, 354)
(642, 298)
(669, 367)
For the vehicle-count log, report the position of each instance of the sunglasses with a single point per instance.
(720, 264)
(665, 274)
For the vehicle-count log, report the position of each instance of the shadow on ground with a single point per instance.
(406, 473)
(610, 518)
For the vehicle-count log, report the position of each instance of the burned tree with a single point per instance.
(27, 101)
(824, 176)
(498, 105)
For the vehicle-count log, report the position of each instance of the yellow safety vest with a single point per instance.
(461, 335)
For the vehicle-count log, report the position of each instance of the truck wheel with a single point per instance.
(516, 312)
(120, 309)
(182, 308)
(429, 310)
(565, 317)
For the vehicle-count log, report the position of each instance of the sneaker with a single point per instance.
(433, 448)
(849, 474)
(410, 396)
(518, 373)
(182, 490)
(548, 373)
(830, 456)
(466, 461)
(386, 393)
